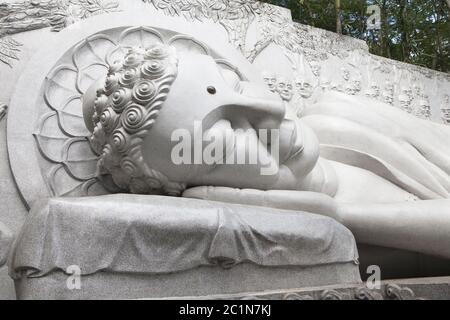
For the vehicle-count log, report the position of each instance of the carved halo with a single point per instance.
(66, 157)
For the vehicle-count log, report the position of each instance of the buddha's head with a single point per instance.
(153, 97)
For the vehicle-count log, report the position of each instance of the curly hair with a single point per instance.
(125, 110)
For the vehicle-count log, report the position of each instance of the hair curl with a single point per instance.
(125, 110)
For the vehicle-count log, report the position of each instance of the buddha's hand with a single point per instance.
(313, 202)
(6, 238)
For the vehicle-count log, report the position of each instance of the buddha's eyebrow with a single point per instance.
(225, 64)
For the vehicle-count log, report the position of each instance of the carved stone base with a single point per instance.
(408, 289)
(159, 247)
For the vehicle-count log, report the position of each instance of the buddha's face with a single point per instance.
(284, 88)
(206, 101)
(303, 88)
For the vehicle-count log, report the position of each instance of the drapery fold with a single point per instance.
(412, 153)
(152, 234)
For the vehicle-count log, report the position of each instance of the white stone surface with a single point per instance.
(135, 235)
(352, 107)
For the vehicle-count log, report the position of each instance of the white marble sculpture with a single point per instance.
(360, 155)
(139, 159)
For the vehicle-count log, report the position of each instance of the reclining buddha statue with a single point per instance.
(154, 117)
(389, 188)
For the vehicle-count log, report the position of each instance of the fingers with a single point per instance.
(280, 199)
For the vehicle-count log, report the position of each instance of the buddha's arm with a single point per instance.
(420, 226)
(281, 199)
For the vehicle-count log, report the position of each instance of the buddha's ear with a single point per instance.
(185, 43)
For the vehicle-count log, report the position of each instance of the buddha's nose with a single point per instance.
(264, 109)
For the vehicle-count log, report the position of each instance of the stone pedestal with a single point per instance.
(159, 247)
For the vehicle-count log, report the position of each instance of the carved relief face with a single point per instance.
(375, 88)
(373, 91)
(350, 90)
(271, 81)
(353, 87)
(424, 108)
(389, 87)
(388, 95)
(284, 88)
(417, 90)
(345, 74)
(445, 110)
(325, 84)
(405, 101)
(389, 98)
(357, 85)
(408, 92)
(315, 68)
(336, 87)
(303, 88)
(223, 103)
